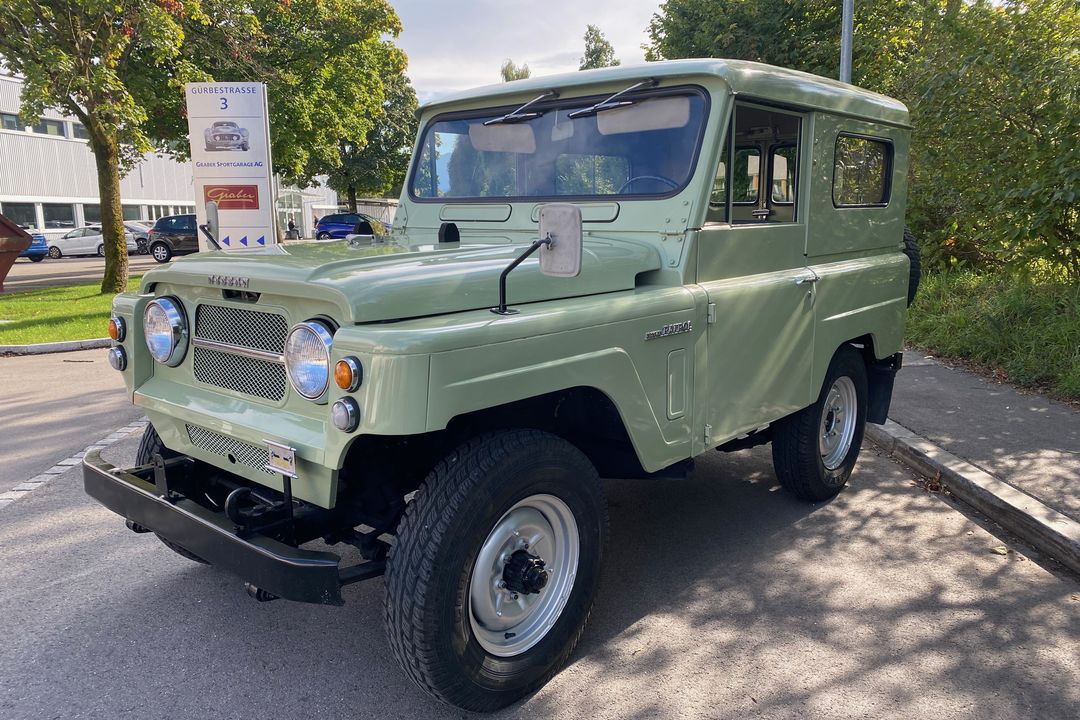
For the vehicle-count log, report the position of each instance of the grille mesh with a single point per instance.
(244, 453)
(242, 374)
(246, 328)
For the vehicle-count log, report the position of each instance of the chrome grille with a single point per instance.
(243, 329)
(245, 453)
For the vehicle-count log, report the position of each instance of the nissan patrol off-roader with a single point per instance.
(595, 275)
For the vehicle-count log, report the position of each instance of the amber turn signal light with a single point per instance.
(348, 374)
(116, 329)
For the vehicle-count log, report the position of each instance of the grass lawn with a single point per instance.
(1027, 330)
(75, 312)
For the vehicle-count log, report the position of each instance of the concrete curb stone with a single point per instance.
(55, 347)
(1048, 530)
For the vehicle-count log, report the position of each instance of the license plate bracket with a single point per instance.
(281, 459)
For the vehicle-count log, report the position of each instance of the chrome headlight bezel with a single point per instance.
(323, 338)
(177, 330)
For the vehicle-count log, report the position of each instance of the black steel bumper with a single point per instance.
(280, 569)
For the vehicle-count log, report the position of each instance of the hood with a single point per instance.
(399, 279)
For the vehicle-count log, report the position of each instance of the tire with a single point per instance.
(101, 250)
(244, 147)
(443, 570)
(323, 236)
(37, 258)
(161, 251)
(811, 463)
(54, 253)
(150, 444)
(911, 249)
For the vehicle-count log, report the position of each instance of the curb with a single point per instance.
(55, 347)
(1048, 530)
(26, 487)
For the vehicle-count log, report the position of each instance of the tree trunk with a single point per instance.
(352, 198)
(107, 157)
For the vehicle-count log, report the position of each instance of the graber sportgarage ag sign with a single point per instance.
(230, 157)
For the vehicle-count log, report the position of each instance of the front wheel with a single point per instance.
(150, 445)
(496, 563)
(101, 250)
(815, 449)
(54, 253)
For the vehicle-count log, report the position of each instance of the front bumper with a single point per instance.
(278, 568)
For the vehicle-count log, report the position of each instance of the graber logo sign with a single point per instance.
(233, 197)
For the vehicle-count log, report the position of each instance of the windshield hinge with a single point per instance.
(710, 313)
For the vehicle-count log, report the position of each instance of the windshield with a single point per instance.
(644, 149)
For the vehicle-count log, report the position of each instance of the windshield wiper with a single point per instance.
(612, 102)
(518, 115)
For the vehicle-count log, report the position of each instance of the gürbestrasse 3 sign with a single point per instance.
(230, 156)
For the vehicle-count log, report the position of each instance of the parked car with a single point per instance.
(38, 250)
(85, 241)
(141, 233)
(225, 135)
(341, 224)
(173, 235)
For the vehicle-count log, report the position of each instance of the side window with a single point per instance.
(350, 219)
(590, 174)
(861, 169)
(187, 222)
(760, 184)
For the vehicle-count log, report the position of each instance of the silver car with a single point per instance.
(85, 241)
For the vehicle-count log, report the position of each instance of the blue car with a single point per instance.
(339, 225)
(38, 250)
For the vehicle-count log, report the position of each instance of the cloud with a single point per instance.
(454, 45)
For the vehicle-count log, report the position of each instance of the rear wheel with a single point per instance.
(161, 252)
(496, 563)
(323, 236)
(815, 449)
(151, 444)
(37, 258)
(101, 250)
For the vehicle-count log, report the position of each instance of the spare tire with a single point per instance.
(911, 249)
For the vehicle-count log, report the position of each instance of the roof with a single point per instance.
(756, 80)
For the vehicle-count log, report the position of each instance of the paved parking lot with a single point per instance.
(722, 597)
(26, 275)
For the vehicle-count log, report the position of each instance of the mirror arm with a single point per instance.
(536, 245)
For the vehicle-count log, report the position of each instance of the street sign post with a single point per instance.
(229, 130)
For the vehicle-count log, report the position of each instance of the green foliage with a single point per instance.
(1028, 329)
(510, 71)
(377, 166)
(598, 51)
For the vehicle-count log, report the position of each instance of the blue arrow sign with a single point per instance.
(262, 240)
(225, 240)
(243, 241)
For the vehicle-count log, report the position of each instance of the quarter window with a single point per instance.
(861, 172)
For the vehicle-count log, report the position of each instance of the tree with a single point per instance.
(119, 67)
(376, 167)
(510, 71)
(598, 51)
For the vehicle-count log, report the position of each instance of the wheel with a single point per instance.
(244, 147)
(140, 246)
(161, 252)
(101, 250)
(815, 449)
(323, 236)
(911, 249)
(54, 252)
(496, 563)
(37, 258)
(150, 444)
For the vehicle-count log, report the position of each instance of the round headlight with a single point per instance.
(165, 328)
(307, 358)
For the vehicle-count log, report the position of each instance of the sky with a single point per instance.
(458, 44)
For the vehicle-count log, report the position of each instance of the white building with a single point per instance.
(48, 180)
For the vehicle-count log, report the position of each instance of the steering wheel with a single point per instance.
(659, 178)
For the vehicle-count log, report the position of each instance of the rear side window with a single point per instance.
(861, 170)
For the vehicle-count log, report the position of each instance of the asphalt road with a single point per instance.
(26, 275)
(722, 597)
(52, 406)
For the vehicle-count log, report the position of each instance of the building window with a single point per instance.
(91, 213)
(79, 131)
(861, 172)
(58, 216)
(50, 127)
(132, 212)
(22, 214)
(10, 122)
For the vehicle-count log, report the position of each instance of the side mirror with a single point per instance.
(561, 223)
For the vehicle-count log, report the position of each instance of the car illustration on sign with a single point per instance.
(226, 135)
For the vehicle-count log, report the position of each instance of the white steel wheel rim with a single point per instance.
(505, 625)
(838, 423)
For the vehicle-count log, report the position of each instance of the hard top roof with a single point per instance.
(754, 80)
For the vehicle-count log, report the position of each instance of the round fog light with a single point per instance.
(345, 414)
(117, 328)
(118, 358)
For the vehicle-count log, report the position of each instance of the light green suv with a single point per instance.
(595, 275)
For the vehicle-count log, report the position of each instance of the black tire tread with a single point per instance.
(151, 443)
(411, 566)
